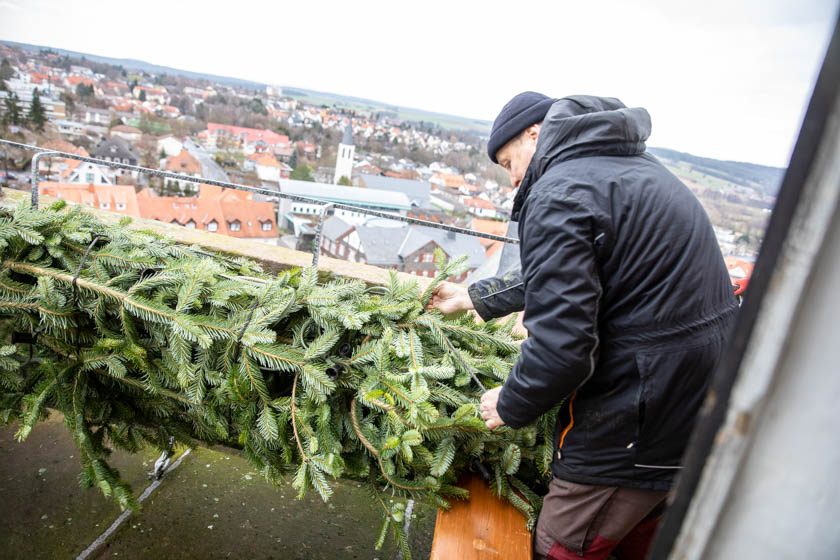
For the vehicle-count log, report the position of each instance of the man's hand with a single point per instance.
(450, 298)
(488, 408)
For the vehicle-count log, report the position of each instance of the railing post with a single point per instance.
(35, 159)
(316, 243)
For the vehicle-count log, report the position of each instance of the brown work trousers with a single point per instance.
(594, 522)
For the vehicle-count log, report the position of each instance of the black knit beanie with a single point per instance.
(519, 113)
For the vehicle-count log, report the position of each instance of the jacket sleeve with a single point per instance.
(562, 292)
(498, 296)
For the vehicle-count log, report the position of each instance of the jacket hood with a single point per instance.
(584, 126)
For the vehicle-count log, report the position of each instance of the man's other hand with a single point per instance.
(489, 400)
(450, 298)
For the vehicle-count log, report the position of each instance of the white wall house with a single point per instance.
(91, 174)
(170, 145)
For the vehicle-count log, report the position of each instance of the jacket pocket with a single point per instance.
(673, 384)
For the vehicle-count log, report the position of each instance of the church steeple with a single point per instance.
(344, 159)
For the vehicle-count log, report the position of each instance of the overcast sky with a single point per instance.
(726, 79)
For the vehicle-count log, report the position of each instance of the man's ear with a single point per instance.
(533, 131)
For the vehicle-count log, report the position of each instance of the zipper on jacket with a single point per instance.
(640, 409)
(568, 428)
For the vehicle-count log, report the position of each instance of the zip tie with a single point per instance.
(100, 540)
(163, 461)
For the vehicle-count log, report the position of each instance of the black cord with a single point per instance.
(79, 269)
(464, 364)
(245, 328)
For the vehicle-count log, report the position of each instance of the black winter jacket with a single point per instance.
(626, 297)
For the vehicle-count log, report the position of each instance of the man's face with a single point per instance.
(515, 156)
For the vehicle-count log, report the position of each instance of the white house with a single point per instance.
(170, 145)
(97, 116)
(268, 168)
(70, 128)
(373, 199)
(87, 173)
(480, 207)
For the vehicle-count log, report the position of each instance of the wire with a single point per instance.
(257, 190)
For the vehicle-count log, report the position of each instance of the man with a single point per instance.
(627, 301)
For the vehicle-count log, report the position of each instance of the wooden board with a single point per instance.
(481, 528)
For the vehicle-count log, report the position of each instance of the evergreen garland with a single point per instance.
(134, 339)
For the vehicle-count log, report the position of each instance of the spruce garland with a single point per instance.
(134, 339)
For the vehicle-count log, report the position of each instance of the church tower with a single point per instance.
(344, 160)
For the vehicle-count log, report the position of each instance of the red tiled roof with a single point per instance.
(213, 204)
(264, 158)
(493, 227)
(38, 78)
(479, 203)
(184, 162)
(450, 180)
(65, 146)
(249, 135)
(95, 195)
(76, 80)
(126, 129)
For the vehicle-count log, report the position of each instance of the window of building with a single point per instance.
(190, 224)
(235, 225)
(104, 205)
(266, 226)
(212, 225)
(120, 205)
(89, 177)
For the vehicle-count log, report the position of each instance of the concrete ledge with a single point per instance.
(272, 257)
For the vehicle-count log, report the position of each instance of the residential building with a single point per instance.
(118, 150)
(169, 145)
(418, 192)
(129, 133)
(294, 213)
(53, 167)
(93, 115)
(493, 227)
(70, 128)
(216, 210)
(153, 94)
(268, 169)
(480, 207)
(86, 173)
(121, 199)
(406, 248)
(184, 164)
(249, 140)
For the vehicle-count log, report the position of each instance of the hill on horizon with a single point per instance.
(763, 178)
(760, 177)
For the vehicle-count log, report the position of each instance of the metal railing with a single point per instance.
(44, 152)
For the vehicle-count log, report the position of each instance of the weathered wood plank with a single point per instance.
(481, 528)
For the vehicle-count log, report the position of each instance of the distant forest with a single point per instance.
(763, 178)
